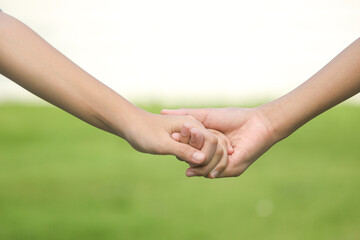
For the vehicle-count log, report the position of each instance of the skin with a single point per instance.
(191, 135)
(31, 62)
(252, 131)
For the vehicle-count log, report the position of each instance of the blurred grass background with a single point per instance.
(63, 179)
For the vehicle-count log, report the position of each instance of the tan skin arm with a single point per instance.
(31, 62)
(253, 131)
(336, 82)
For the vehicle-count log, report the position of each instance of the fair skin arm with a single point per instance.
(253, 131)
(31, 62)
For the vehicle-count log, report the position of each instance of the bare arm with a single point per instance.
(34, 64)
(336, 82)
(253, 131)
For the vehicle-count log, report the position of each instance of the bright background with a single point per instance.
(63, 179)
(191, 50)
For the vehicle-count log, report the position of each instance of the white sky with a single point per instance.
(192, 51)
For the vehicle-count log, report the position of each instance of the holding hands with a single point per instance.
(215, 142)
(44, 71)
(253, 131)
(245, 129)
(182, 136)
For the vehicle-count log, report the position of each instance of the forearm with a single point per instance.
(38, 67)
(336, 82)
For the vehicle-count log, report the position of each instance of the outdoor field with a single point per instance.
(63, 179)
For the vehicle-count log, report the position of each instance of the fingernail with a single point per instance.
(190, 173)
(198, 157)
(214, 174)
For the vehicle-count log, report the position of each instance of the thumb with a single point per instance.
(186, 152)
(200, 114)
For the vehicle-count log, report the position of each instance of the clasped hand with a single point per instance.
(215, 142)
(243, 136)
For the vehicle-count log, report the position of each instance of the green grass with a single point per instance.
(63, 179)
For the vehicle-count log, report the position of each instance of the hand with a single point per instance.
(151, 133)
(247, 129)
(193, 136)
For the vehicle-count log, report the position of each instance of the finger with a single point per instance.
(228, 172)
(185, 133)
(192, 165)
(203, 170)
(176, 136)
(200, 113)
(207, 169)
(207, 151)
(225, 173)
(230, 148)
(209, 147)
(220, 167)
(185, 152)
(196, 138)
(225, 140)
(196, 141)
(231, 170)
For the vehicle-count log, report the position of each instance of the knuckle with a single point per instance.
(222, 166)
(181, 153)
(219, 151)
(206, 160)
(202, 172)
(190, 118)
(213, 140)
(223, 142)
(203, 162)
(184, 139)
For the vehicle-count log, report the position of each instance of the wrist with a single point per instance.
(128, 122)
(120, 118)
(276, 120)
